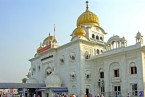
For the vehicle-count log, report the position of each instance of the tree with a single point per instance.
(24, 80)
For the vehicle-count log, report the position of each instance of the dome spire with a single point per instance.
(54, 29)
(88, 17)
(87, 7)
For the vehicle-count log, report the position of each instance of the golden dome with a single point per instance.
(51, 38)
(79, 31)
(48, 39)
(88, 17)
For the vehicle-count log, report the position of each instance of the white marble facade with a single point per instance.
(89, 64)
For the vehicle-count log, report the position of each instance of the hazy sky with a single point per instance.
(25, 23)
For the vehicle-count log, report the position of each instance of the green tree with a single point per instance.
(24, 80)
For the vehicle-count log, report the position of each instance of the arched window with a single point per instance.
(38, 68)
(116, 73)
(97, 37)
(48, 71)
(73, 75)
(133, 70)
(101, 38)
(93, 36)
(88, 74)
(98, 51)
(87, 55)
(101, 74)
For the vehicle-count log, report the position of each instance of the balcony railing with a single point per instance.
(136, 93)
(116, 79)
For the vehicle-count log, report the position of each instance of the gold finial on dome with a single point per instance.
(88, 17)
(54, 29)
(87, 7)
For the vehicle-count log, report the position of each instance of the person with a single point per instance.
(85, 95)
(90, 95)
(34, 95)
(55, 95)
(62, 95)
(116, 95)
(71, 95)
(74, 95)
(6, 95)
(102, 95)
(128, 95)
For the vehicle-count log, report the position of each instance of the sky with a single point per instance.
(26, 23)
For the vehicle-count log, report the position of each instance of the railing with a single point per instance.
(116, 79)
(137, 93)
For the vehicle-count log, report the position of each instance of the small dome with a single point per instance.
(138, 35)
(32, 80)
(113, 39)
(123, 39)
(49, 38)
(53, 80)
(79, 31)
(88, 17)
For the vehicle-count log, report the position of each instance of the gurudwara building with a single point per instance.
(89, 65)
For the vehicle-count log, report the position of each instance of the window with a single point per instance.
(62, 60)
(117, 90)
(134, 89)
(39, 68)
(87, 55)
(97, 37)
(102, 90)
(93, 36)
(32, 73)
(48, 73)
(133, 70)
(88, 74)
(87, 91)
(72, 75)
(116, 73)
(98, 51)
(72, 56)
(34, 69)
(101, 38)
(101, 74)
